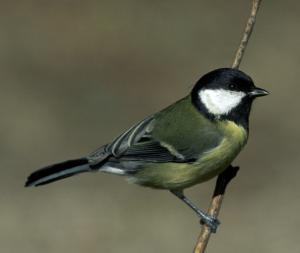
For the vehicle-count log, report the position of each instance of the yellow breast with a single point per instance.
(209, 165)
(219, 158)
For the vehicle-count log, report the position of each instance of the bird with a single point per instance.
(189, 142)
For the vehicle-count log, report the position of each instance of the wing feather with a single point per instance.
(131, 136)
(137, 144)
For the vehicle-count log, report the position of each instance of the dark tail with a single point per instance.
(57, 171)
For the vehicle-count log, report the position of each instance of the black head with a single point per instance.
(226, 93)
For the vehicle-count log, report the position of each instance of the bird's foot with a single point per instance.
(210, 221)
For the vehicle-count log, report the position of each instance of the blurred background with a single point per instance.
(75, 74)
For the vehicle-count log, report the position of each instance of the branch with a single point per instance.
(223, 180)
(225, 177)
(246, 35)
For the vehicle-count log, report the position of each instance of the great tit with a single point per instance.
(189, 142)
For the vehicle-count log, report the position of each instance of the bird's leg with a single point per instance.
(212, 222)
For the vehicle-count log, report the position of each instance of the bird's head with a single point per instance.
(226, 93)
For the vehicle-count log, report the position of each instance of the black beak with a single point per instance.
(258, 92)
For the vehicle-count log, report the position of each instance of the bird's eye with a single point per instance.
(232, 86)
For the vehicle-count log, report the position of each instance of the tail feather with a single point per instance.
(57, 171)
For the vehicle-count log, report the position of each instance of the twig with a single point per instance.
(225, 177)
(246, 35)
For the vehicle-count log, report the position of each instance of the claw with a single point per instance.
(210, 221)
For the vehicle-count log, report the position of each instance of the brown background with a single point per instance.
(74, 74)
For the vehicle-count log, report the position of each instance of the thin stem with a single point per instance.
(225, 177)
(246, 35)
(223, 180)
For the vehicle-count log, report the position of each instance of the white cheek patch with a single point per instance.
(220, 101)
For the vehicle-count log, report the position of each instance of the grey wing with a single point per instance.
(136, 144)
(136, 133)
